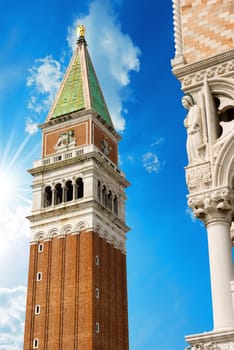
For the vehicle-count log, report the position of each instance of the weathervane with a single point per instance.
(80, 30)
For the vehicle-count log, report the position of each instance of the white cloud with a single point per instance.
(158, 141)
(12, 311)
(44, 79)
(14, 244)
(151, 162)
(113, 53)
(189, 212)
(130, 158)
(31, 127)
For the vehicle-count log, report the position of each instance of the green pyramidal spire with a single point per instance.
(80, 88)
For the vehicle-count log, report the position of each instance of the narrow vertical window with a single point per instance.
(104, 196)
(97, 327)
(80, 188)
(97, 260)
(99, 191)
(115, 203)
(40, 247)
(58, 194)
(68, 191)
(39, 276)
(35, 343)
(47, 197)
(109, 200)
(37, 309)
(97, 293)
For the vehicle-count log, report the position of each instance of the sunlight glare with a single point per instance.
(8, 181)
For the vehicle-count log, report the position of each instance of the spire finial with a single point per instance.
(80, 30)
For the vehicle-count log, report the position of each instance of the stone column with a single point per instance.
(215, 211)
(221, 269)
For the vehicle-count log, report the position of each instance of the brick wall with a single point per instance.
(69, 306)
(207, 28)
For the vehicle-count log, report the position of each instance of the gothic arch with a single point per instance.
(224, 169)
(221, 86)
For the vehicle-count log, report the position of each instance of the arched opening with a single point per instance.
(68, 191)
(47, 197)
(58, 194)
(99, 191)
(115, 204)
(104, 196)
(109, 200)
(79, 188)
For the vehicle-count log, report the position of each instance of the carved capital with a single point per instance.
(213, 206)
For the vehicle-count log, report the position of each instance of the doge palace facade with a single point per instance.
(204, 64)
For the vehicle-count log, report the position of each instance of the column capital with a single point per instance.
(213, 206)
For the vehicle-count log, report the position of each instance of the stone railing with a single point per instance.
(72, 153)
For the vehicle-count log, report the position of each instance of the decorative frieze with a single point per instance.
(211, 346)
(218, 70)
(198, 177)
(110, 234)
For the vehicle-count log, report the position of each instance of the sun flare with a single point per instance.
(8, 184)
(15, 190)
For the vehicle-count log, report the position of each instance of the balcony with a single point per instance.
(73, 153)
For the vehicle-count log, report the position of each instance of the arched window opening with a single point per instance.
(68, 191)
(104, 196)
(79, 188)
(109, 200)
(47, 197)
(58, 194)
(115, 203)
(225, 111)
(99, 191)
(228, 115)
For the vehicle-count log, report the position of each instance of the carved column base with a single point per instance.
(215, 340)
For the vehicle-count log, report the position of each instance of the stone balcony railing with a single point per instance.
(72, 153)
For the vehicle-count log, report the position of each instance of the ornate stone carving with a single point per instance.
(193, 124)
(65, 139)
(106, 149)
(198, 177)
(211, 346)
(215, 71)
(110, 234)
(215, 204)
(216, 149)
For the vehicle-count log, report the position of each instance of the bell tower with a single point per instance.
(77, 291)
(204, 64)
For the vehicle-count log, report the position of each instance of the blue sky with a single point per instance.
(168, 274)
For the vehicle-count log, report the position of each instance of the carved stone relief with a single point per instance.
(211, 346)
(65, 140)
(215, 71)
(193, 124)
(216, 204)
(198, 177)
